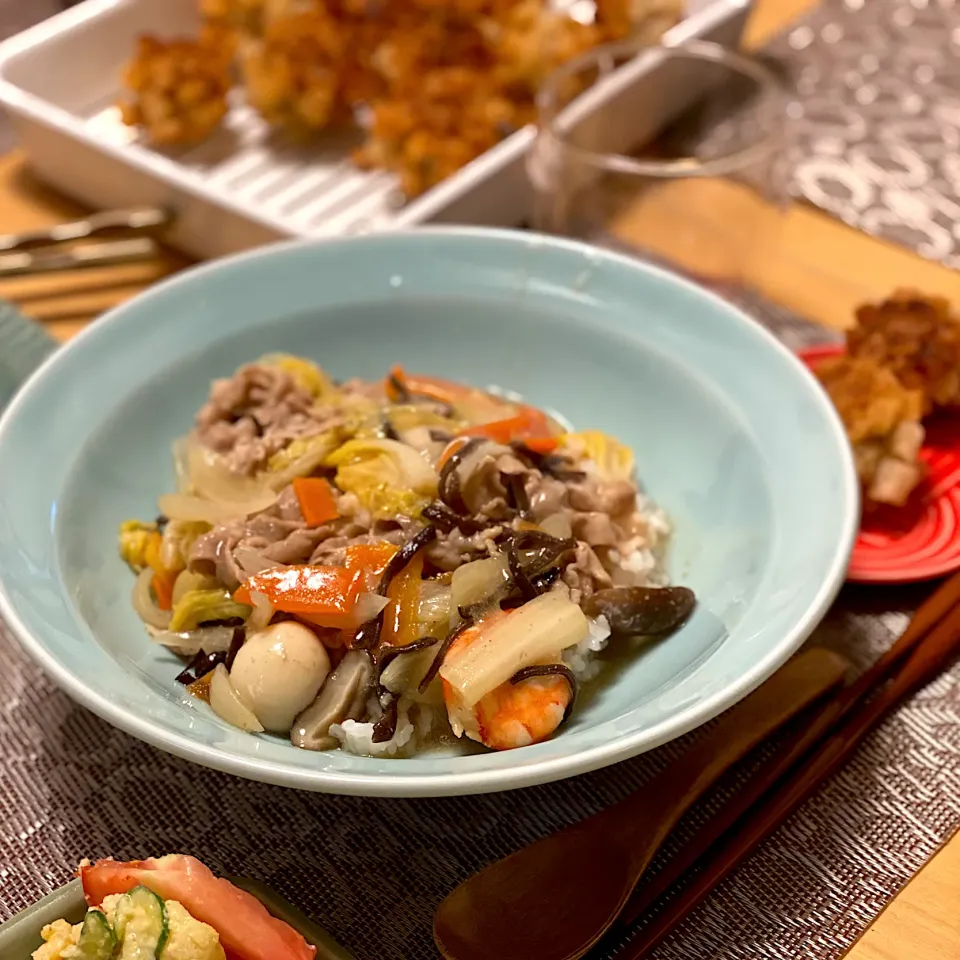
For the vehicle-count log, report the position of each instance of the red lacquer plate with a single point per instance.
(920, 540)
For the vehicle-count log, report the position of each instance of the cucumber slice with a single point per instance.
(141, 925)
(97, 941)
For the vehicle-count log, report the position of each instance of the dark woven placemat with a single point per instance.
(372, 871)
(877, 118)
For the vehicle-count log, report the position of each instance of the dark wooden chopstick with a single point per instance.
(793, 750)
(812, 756)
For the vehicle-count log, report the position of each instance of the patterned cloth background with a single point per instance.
(877, 118)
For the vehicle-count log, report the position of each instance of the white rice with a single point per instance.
(357, 737)
(582, 658)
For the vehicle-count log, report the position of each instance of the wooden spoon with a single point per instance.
(554, 899)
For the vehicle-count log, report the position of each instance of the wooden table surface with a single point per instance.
(821, 269)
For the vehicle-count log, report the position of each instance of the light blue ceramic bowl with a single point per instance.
(732, 435)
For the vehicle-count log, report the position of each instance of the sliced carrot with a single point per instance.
(163, 579)
(330, 620)
(200, 688)
(446, 391)
(538, 424)
(371, 560)
(529, 425)
(324, 595)
(401, 622)
(317, 502)
(162, 584)
(500, 431)
(542, 445)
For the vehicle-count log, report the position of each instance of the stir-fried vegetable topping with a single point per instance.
(350, 561)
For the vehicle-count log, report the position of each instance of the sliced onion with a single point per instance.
(557, 525)
(368, 606)
(252, 561)
(416, 471)
(170, 546)
(178, 506)
(145, 605)
(212, 479)
(403, 674)
(262, 612)
(180, 465)
(227, 704)
(475, 582)
(190, 642)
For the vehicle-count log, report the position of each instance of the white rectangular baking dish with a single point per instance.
(59, 82)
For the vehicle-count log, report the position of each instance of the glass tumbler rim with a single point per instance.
(724, 165)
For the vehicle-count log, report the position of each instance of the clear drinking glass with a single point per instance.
(676, 153)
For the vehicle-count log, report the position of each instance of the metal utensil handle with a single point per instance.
(132, 222)
(96, 255)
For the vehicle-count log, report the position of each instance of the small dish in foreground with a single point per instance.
(35, 928)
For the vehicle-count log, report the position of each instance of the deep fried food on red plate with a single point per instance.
(882, 419)
(917, 338)
(179, 87)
